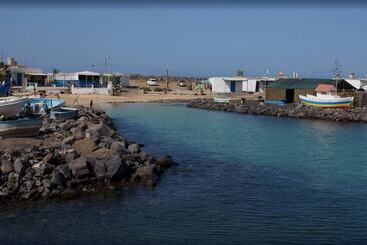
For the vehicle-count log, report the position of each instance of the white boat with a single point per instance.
(11, 106)
(23, 127)
(221, 100)
(326, 97)
(326, 101)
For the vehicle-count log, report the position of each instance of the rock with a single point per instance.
(6, 167)
(13, 182)
(98, 167)
(117, 147)
(78, 132)
(85, 146)
(99, 130)
(66, 126)
(69, 140)
(61, 175)
(115, 168)
(19, 166)
(79, 168)
(134, 148)
(145, 175)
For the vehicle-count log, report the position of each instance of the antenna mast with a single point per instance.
(336, 73)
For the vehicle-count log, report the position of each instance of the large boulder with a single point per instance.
(117, 147)
(6, 167)
(116, 168)
(98, 130)
(98, 167)
(79, 168)
(146, 175)
(78, 132)
(19, 165)
(134, 148)
(13, 182)
(85, 146)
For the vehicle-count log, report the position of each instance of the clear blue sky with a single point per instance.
(188, 40)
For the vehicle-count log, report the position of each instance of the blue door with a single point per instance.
(233, 86)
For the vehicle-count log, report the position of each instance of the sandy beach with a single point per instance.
(126, 98)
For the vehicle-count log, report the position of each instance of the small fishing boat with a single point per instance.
(64, 113)
(22, 127)
(11, 106)
(326, 97)
(221, 100)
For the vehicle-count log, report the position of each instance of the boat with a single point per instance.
(326, 97)
(221, 100)
(22, 127)
(11, 106)
(326, 101)
(4, 88)
(64, 113)
(47, 102)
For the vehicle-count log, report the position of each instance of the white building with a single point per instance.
(23, 76)
(123, 79)
(227, 84)
(78, 79)
(256, 84)
(239, 84)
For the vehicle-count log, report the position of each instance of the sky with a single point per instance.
(188, 41)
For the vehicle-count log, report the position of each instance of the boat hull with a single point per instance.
(336, 103)
(25, 127)
(64, 113)
(11, 107)
(221, 100)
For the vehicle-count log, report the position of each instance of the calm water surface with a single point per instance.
(240, 179)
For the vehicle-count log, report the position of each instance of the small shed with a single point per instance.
(227, 84)
(288, 90)
(326, 89)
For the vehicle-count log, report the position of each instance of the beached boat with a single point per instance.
(330, 101)
(221, 100)
(23, 127)
(64, 113)
(326, 97)
(11, 106)
(47, 102)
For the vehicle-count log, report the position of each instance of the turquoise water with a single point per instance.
(240, 179)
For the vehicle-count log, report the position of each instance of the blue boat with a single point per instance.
(22, 127)
(47, 102)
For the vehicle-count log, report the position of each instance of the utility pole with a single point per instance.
(167, 83)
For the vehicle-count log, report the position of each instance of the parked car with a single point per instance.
(152, 82)
(182, 83)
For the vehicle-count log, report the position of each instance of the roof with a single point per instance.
(36, 73)
(87, 73)
(325, 88)
(306, 83)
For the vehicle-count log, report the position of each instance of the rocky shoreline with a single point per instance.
(72, 158)
(294, 111)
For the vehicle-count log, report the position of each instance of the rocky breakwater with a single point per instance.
(73, 157)
(295, 111)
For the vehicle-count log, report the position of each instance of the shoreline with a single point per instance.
(84, 100)
(291, 111)
(74, 158)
